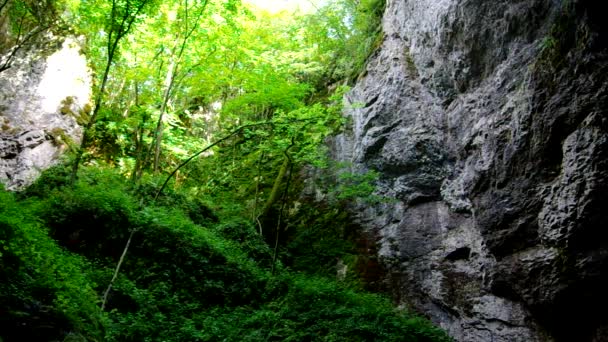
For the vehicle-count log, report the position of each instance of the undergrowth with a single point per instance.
(188, 275)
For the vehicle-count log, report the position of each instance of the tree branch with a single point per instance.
(20, 44)
(226, 137)
(3, 4)
(160, 190)
(122, 259)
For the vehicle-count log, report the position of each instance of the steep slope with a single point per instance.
(189, 274)
(487, 122)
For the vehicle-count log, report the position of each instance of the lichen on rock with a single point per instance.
(36, 92)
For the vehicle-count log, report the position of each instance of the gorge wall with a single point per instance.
(487, 121)
(44, 95)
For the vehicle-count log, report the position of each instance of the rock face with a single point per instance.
(43, 95)
(488, 122)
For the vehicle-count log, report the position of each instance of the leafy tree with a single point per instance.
(345, 32)
(231, 105)
(118, 19)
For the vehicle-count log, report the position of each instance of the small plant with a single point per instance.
(359, 186)
(61, 138)
(81, 115)
(410, 63)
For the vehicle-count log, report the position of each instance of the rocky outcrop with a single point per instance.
(487, 121)
(44, 97)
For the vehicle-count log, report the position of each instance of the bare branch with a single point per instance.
(126, 249)
(4, 3)
(20, 44)
(117, 270)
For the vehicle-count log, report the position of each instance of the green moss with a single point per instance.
(66, 105)
(409, 63)
(565, 34)
(81, 116)
(61, 138)
(6, 127)
(87, 109)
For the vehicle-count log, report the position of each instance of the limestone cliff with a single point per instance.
(488, 123)
(43, 101)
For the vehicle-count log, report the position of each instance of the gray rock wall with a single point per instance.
(43, 95)
(488, 123)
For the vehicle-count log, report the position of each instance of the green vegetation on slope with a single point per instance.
(181, 281)
(229, 251)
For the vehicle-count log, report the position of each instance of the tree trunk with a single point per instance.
(274, 193)
(86, 132)
(279, 220)
(163, 107)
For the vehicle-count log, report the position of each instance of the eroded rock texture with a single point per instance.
(43, 95)
(488, 122)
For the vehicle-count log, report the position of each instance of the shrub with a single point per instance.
(44, 291)
(180, 281)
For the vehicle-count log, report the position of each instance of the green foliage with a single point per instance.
(180, 281)
(256, 67)
(356, 186)
(23, 23)
(43, 291)
(250, 241)
(321, 236)
(346, 32)
(565, 34)
(25, 15)
(313, 309)
(199, 264)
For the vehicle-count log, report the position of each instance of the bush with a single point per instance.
(180, 281)
(315, 309)
(44, 291)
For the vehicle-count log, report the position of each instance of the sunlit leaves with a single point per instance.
(207, 66)
(345, 32)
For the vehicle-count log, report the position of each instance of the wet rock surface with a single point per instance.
(42, 96)
(488, 124)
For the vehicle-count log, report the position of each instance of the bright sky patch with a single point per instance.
(274, 6)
